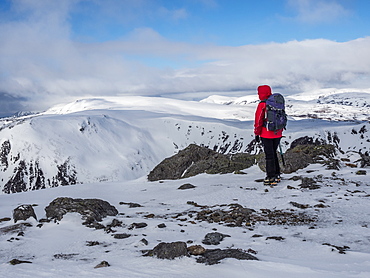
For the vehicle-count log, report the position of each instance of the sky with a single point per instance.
(56, 51)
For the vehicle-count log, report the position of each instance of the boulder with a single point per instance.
(92, 210)
(23, 212)
(214, 238)
(169, 251)
(300, 156)
(195, 160)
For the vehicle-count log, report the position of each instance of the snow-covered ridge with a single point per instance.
(123, 138)
(328, 104)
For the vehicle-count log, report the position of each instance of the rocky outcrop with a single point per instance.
(214, 256)
(30, 176)
(169, 251)
(303, 152)
(23, 212)
(92, 210)
(195, 160)
(178, 249)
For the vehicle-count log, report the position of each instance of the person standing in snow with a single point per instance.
(270, 139)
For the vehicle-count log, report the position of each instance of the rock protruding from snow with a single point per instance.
(195, 160)
(23, 212)
(169, 251)
(214, 238)
(214, 256)
(92, 210)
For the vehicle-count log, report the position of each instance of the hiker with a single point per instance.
(270, 138)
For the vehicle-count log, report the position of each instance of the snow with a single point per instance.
(130, 135)
(301, 254)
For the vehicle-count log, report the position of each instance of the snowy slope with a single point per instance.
(123, 138)
(110, 144)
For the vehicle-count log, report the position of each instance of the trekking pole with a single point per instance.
(282, 156)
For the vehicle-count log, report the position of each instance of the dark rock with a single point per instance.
(92, 243)
(162, 225)
(186, 186)
(211, 257)
(137, 226)
(94, 225)
(115, 223)
(28, 175)
(365, 160)
(92, 210)
(303, 152)
(65, 256)
(5, 219)
(131, 205)
(195, 160)
(169, 251)
(16, 261)
(121, 236)
(23, 212)
(305, 141)
(279, 238)
(144, 241)
(213, 238)
(340, 249)
(102, 264)
(235, 217)
(309, 183)
(361, 172)
(298, 205)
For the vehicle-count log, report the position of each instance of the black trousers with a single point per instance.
(272, 162)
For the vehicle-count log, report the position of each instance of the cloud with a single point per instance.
(42, 65)
(318, 11)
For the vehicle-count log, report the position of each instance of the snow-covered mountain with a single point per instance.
(107, 146)
(123, 138)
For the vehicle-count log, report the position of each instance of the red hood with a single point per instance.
(264, 92)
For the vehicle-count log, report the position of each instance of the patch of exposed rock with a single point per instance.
(214, 256)
(92, 210)
(235, 215)
(195, 160)
(23, 212)
(169, 251)
(304, 152)
(178, 249)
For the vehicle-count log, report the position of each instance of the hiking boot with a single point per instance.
(269, 181)
(277, 178)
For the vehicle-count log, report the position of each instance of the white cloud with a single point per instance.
(42, 66)
(318, 11)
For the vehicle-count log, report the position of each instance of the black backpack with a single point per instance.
(276, 117)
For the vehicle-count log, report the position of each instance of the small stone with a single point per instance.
(16, 261)
(137, 226)
(5, 219)
(196, 250)
(186, 186)
(102, 264)
(121, 236)
(214, 238)
(162, 225)
(361, 172)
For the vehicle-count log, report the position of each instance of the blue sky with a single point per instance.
(54, 51)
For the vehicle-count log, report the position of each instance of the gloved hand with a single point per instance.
(257, 138)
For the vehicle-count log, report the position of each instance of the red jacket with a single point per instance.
(263, 93)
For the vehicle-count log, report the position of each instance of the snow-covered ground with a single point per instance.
(343, 221)
(114, 142)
